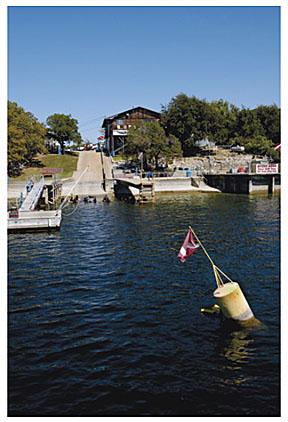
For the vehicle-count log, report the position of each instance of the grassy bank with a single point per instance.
(67, 162)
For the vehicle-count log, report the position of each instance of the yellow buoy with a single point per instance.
(232, 302)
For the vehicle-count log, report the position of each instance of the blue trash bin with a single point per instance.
(189, 173)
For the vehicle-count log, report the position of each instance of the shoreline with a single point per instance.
(161, 186)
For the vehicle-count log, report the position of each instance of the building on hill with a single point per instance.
(117, 126)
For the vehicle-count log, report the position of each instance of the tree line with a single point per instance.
(27, 137)
(184, 121)
(191, 119)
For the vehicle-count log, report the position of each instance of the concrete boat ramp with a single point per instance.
(92, 166)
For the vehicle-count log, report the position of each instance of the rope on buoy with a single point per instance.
(217, 276)
(229, 296)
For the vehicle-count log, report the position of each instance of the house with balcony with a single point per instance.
(117, 127)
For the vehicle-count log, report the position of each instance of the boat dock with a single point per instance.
(27, 215)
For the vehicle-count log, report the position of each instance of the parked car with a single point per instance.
(237, 148)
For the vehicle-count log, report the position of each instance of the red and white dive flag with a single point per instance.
(189, 247)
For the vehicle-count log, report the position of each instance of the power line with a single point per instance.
(88, 130)
(90, 121)
(94, 126)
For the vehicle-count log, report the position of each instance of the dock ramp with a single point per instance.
(32, 198)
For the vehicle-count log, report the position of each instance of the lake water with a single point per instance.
(104, 319)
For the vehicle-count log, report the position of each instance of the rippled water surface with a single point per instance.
(104, 320)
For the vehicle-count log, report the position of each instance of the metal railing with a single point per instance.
(33, 195)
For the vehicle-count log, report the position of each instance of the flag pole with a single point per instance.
(218, 279)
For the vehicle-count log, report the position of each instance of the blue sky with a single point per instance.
(92, 62)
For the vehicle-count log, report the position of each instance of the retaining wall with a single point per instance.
(244, 183)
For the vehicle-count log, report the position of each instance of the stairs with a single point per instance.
(147, 192)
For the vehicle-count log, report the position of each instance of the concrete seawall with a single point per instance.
(244, 182)
(181, 184)
(171, 184)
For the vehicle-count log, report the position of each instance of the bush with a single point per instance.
(256, 145)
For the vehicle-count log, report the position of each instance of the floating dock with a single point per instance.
(34, 220)
(27, 216)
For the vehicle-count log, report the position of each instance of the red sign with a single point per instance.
(266, 168)
(47, 171)
(14, 214)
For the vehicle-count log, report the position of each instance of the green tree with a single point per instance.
(149, 138)
(191, 119)
(247, 124)
(187, 118)
(256, 145)
(26, 138)
(173, 148)
(63, 128)
(223, 119)
(269, 116)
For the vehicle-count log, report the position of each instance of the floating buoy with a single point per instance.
(232, 302)
(229, 296)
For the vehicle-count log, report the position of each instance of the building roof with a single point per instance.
(131, 110)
